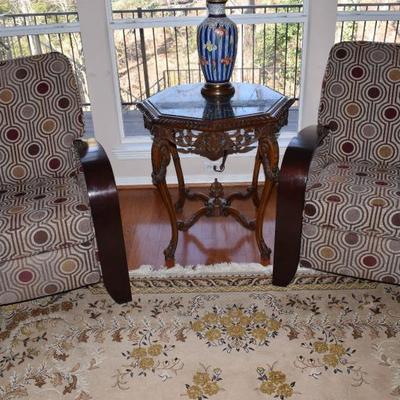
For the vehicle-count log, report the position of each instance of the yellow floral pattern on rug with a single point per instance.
(274, 383)
(205, 384)
(146, 358)
(330, 357)
(236, 328)
(302, 343)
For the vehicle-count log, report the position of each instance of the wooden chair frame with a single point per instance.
(292, 183)
(104, 204)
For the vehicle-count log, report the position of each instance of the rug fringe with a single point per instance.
(214, 270)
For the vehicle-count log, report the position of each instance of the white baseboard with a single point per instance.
(189, 179)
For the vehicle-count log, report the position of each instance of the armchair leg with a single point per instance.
(286, 250)
(111, 246)
(116, 277)
(285, 264)
(288, 227)
(104, 204)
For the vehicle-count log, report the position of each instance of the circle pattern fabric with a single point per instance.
(355, 197)
(358, 255)
(40, 106)
(47, 241)
(43, 215)
(351, 218)
(360, 102)
(49, 273)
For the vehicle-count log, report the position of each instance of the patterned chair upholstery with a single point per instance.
(47, 237)
(351, 218)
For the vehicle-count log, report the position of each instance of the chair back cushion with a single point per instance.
(361, 102)
(40, 117)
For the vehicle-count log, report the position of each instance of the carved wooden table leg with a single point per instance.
(160, 158)
(269, 156)
(181, 181)
(254, 183)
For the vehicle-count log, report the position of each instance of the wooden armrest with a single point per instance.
(104, 204)
(290, 202)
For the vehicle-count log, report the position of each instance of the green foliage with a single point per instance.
(5, 6)
(36, 6)
(278, 54)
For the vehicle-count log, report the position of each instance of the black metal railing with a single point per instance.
(381, 31)
(202, 11)
(371, 6)
(32, 19)
(159, 57)
(153, 58)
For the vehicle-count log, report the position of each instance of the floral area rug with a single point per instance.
(206, 335)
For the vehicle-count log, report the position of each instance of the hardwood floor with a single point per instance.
(210, 240)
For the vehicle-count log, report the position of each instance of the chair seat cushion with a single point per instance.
(43, 215)
(49, 273)
(355, 197)
(350, 253)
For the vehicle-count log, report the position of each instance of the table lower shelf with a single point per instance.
(217, 205)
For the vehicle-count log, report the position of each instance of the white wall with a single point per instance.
(319, 36)
(101, 71)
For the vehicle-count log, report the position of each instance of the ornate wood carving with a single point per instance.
(217, 205)
(215, 145)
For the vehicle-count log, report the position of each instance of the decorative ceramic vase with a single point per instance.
(217, 48)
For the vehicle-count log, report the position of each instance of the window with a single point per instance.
(370, 21)
(156, 48)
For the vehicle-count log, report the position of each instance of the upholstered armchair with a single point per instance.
(60, 225)
(338, 204)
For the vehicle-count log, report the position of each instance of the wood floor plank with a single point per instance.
(210, 240)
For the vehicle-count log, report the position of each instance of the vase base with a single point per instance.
(218, 91)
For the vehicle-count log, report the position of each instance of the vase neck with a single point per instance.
(216, 9)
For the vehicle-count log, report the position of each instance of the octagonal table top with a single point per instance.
(186, 101)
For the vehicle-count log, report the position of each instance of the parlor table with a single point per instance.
(182, 121)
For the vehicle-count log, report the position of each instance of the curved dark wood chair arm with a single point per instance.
(104, 203)
(290, 202)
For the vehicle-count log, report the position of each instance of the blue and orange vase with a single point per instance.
(217, 48)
